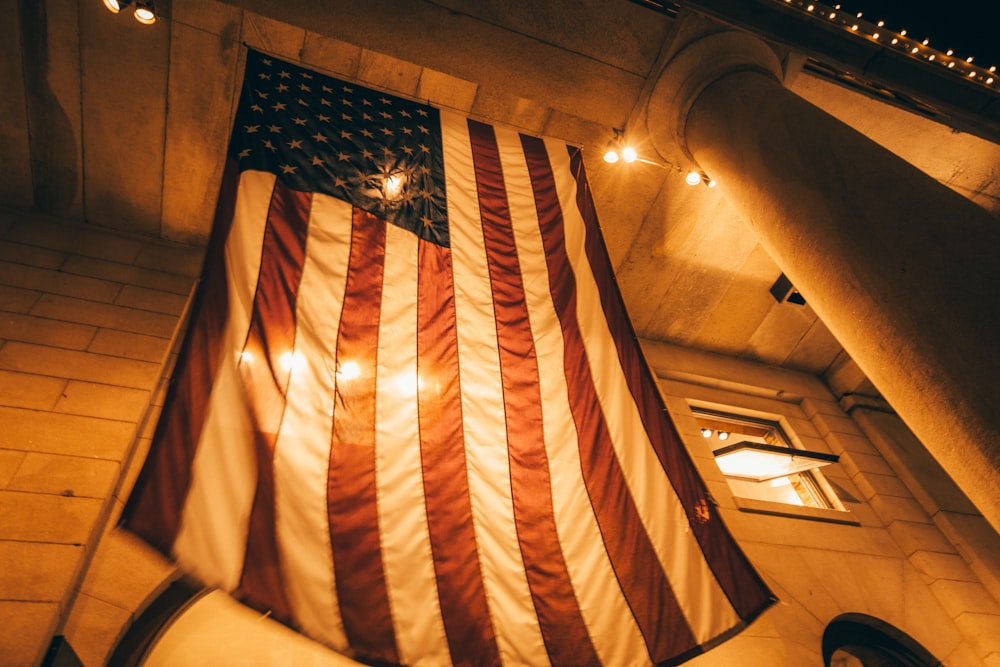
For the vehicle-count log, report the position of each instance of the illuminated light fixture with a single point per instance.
(930, 57)
(832, 16)
(854, 27)
(926, 42)
(989, 79)
(611, 153)
(880, 24)
(894, 41)
(972, 74)
(875, 35)
(914, 50)
(949, 52)
(723, 435)
(969, 59)
(706, 433)
(629, 154)
(710, 183)
(758, 462)
(349, 370)
(902, 33)
(951, 64)
(116, 6)
(810, 8)
(993, 68)
(692, 178)
(144, 12)
(859, 14)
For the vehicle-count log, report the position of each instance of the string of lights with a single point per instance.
(857, 24)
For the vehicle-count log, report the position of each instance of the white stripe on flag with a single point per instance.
(519, 639)
(702, 600)
(606, 613)
(211, 539)
(302, 451)
(406, 548)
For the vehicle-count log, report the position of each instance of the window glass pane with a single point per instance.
(724, 428)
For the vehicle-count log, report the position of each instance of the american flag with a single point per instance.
(410, 417)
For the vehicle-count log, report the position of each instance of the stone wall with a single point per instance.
(87, 318)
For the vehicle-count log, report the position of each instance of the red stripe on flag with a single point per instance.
(157, 501)
(645, 585)
(745, 589)
(351, 498)
(265, 366)
(561, 623)
(464, 611)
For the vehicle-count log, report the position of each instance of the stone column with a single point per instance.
(902, 270)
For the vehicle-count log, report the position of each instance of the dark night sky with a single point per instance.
(971, 28)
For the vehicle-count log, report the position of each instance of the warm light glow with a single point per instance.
(711, 183)
(859, 14)
(292, 361)
(914, 50)
(144, 13)
(902, 33)
(760, 463)
(875, 35)
(989, 80)
(629, 154)
(723, 435)
(926, 42)
(949, 52)
(348, 370)
(969, 59)
(993, 68)
(246, 357)
(894, 41)
(854, 27)
(692, 178)
(972, 74)
(611, 156)
(408, 384)
(951, 64)
(810, 8)
(880, 23)
(392, 186)
(113, 5)
(833, 15)
(706, 433)
(930, 57)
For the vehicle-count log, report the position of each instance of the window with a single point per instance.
(797, 484)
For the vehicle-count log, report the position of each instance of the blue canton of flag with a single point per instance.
(380, 152)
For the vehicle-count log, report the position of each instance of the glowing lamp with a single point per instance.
(116, 6)
(692, 178)
(144, 12)
(758, 462)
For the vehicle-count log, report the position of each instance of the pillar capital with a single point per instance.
(694, 67)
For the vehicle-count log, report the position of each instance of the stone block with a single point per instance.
(93, 628)
(934, 565)
(57, 282)
(157, 301)
(40, 517)
(37, 571)
(847, 442)
(76, 365)
(105, 315)
(10, 461)
(31, 255)
(128, 274)
(125, 571)
(871, 484)
(963, 597)
(982, 631)
(17, 300)
(835, 423)
(45, 331)
(26, 629)
(76, 239)
(890, 509)
(333, 55)
(129, 345)
(70, 476)
(22, 390)
(103, 400)
(912, 537)
(30, 430)
(854, 463)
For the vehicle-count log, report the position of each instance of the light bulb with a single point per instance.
(706, 433)
(611, 155)
(116, 6)
(875, 35)
(144, 12)
(723, 435)
(692, 178)
(629, 154)
(969, 59)
(711, 183)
